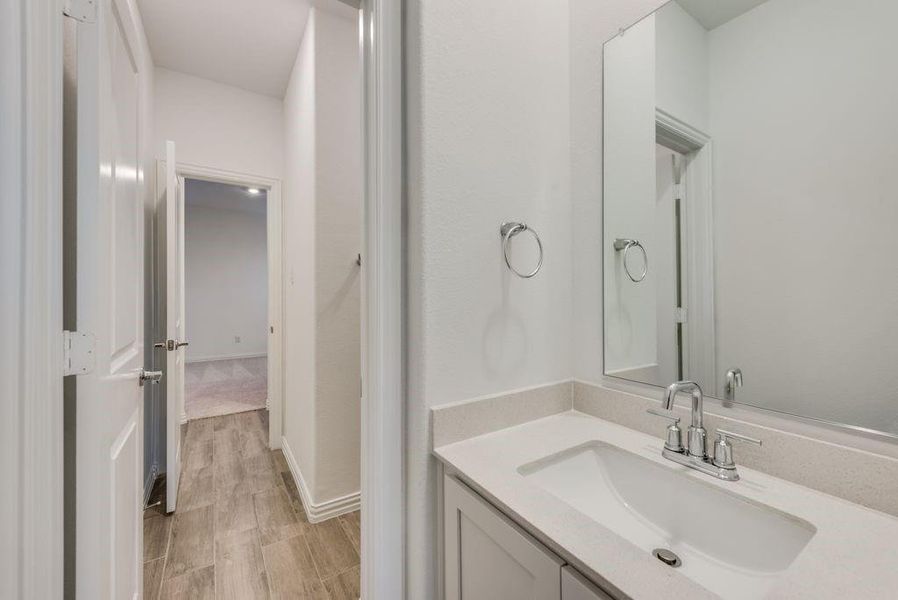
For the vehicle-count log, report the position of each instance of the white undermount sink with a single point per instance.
(732, 546)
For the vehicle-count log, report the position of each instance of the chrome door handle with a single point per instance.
(149, 377)
(170, 345)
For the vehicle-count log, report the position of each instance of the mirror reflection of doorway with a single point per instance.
(669, 264)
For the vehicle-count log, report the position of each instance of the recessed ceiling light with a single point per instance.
(253, 191)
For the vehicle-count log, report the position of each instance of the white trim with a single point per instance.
(203, 359)
(383, 389)
(325, 510)
(31, 413)
(275, 281)
(619, 372)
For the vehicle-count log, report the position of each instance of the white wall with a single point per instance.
(217, 125)
(323, 200)
(805, 269)
(299, 257)
(226, 280)
(488, 117)
(681, 66)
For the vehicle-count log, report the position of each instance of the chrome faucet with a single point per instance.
(696, 433)
(733, 380)
(695, 455)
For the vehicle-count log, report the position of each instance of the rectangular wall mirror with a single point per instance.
(750, 205)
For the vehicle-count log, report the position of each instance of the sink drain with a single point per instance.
(667, 557)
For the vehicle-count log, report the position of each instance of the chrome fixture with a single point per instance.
(723, 450)
(674, 441)
(149, 377)
(625, 245)
(510, 229)
(170, 345)
(668, 557)
(734, 380)
(695, 455)
(695, 435)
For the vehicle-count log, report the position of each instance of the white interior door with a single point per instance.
(174, 324)
(109, 297)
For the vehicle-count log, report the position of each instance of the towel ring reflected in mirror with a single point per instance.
(509, 230)
(626, 245)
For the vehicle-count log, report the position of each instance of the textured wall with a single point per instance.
(323, 237)
(488, 141)
(217, 125)
(226, 281)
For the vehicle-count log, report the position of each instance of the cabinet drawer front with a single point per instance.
(487, 557)
(576, 587)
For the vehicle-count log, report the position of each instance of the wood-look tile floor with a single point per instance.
(240, 530)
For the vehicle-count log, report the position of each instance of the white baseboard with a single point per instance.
(326, 510)
(228, 357)
(183, 418)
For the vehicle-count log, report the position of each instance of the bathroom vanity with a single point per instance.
(572, 506)
(746, 256)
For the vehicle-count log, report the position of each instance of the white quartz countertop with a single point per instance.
(854, 553)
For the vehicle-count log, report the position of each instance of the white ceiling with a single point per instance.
(223, 196)
(250, 44)
(714, 13)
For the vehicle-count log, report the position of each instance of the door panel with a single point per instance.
(125, 460)
(109, 297)
(126, 205)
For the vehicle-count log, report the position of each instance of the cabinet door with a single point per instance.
(576, 587)
(487, 557)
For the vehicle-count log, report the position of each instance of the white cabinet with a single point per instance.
(575, 586)
(487, 557)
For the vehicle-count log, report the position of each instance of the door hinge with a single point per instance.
(678, 191)
(78, 352)
(680, 314)
(83, 11)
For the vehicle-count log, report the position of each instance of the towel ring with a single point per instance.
(509, 230)
(625, 245)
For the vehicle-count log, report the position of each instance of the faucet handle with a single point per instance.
(723, 450)
(674, 440)
(664, 414)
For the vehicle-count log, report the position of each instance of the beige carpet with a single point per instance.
(222, 387)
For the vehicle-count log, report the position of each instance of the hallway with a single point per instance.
(240, 530)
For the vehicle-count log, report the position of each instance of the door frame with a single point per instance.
(32, 275)
(383, 276)
(31, 373)
(274, 241)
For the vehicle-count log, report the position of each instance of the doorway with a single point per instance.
(226, 298)
(221, 203)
